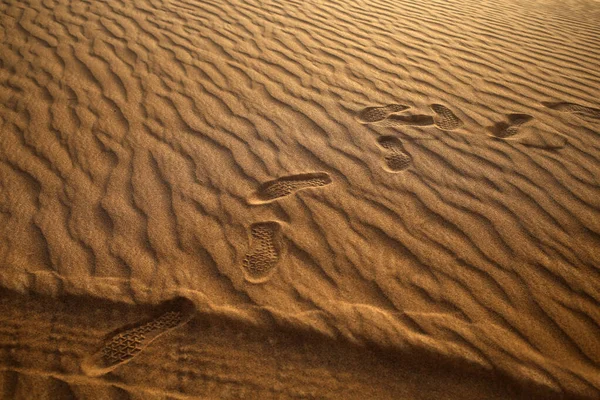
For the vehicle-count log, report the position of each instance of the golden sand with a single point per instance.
(300, 199)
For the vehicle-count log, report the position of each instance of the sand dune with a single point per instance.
(421, 178)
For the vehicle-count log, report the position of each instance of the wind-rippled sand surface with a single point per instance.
(420, 177)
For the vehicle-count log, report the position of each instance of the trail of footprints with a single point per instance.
(388, 116)
(264, 253)
(397, 159)
(266, 245)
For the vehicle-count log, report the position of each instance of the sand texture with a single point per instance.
(300, 199)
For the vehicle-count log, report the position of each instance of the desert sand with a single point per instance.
(300, 199)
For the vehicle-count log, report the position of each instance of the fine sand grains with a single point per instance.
(415, 176)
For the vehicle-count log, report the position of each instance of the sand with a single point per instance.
(300, 199)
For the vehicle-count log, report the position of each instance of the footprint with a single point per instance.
(131, 340)
(407, 120)
(573, 108)
(281, 187)
(265, 251)
(397, 158)
(445, 119)
(374, 114)
(504, 129)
